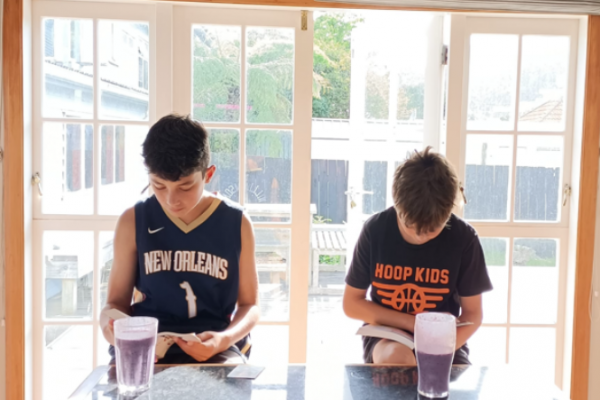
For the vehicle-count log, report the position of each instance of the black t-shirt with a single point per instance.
(417, 278)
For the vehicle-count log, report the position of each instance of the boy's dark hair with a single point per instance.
(424, 190)
(176, 146)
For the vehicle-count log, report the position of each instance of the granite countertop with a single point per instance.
(287, 382)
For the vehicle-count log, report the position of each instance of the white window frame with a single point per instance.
(169, 91)
(462, 26)
(186, 17)
(92, 223)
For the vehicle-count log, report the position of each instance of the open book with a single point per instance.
(164, 340)
(395, 334)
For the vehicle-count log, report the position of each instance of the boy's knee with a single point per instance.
(389, 352)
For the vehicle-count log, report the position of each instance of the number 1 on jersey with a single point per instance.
(190, 297)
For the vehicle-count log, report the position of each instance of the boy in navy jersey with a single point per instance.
(188, 255)
(417, 257)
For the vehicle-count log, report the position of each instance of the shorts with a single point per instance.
(461, 356)
(229, 356)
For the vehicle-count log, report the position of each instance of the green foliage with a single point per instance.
(319, 219)
(330, 260)
(331, 65)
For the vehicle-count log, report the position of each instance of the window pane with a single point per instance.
(539, 164)
(495, 303)
(124, 75)
(216, 73)
(488, 346)
(269, 175)
(68, 68)
(67, 169)
(272, 262)
(542, 94)
(225, 155)
(488, 159)
(492, 82)
(68, 354)
(329, 184)
(105, 262)
(68, 264)
(533, 351)
(534, 282)
(375, 186)
(123, 175)
(270, 75)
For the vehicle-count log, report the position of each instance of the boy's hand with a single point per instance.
(212, 343)
(109, 331)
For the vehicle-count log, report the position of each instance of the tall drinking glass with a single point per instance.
(435, 339)
(135, 339)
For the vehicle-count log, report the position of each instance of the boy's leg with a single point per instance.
(383, 351)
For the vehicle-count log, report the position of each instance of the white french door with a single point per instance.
(247, 75)
(103, 73)
(510, 129)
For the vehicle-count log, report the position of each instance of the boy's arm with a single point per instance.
(356, 306)
(122, 274)
(247, 313)
(471, 311)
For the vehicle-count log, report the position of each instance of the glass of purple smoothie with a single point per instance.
(435, 339)
(135, 339)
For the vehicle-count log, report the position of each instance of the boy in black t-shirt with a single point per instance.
(417, 257)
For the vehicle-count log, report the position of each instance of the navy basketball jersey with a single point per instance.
(188, 275)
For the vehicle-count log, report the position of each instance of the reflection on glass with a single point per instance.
(539, 164)
(269, 175)
(542, 93)
(124, 69)
(123, 175)
(225, 155)
(534, 298)
(270, 75)
(273, 265)
(68, 265)
(68, 68)
(495, 302)
(492, 82)
(488, 161)
(67, 169)
(216, 73)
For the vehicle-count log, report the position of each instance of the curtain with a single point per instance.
(535, 6)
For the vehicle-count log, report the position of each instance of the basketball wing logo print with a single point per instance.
(410, 295)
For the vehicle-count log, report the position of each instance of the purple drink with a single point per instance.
(137, 362)
(434, 374)
(135, 340)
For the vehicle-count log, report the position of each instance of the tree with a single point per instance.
(331, 64)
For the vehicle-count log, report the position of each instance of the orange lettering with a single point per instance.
(385, 378)
(419, 276)
(379, 271)
(398, 273)
(435, 276)
(407, 272)
(444, 279)
(405, 380)
(389, 272)
(427, 275)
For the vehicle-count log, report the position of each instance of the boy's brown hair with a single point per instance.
(424, 190)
